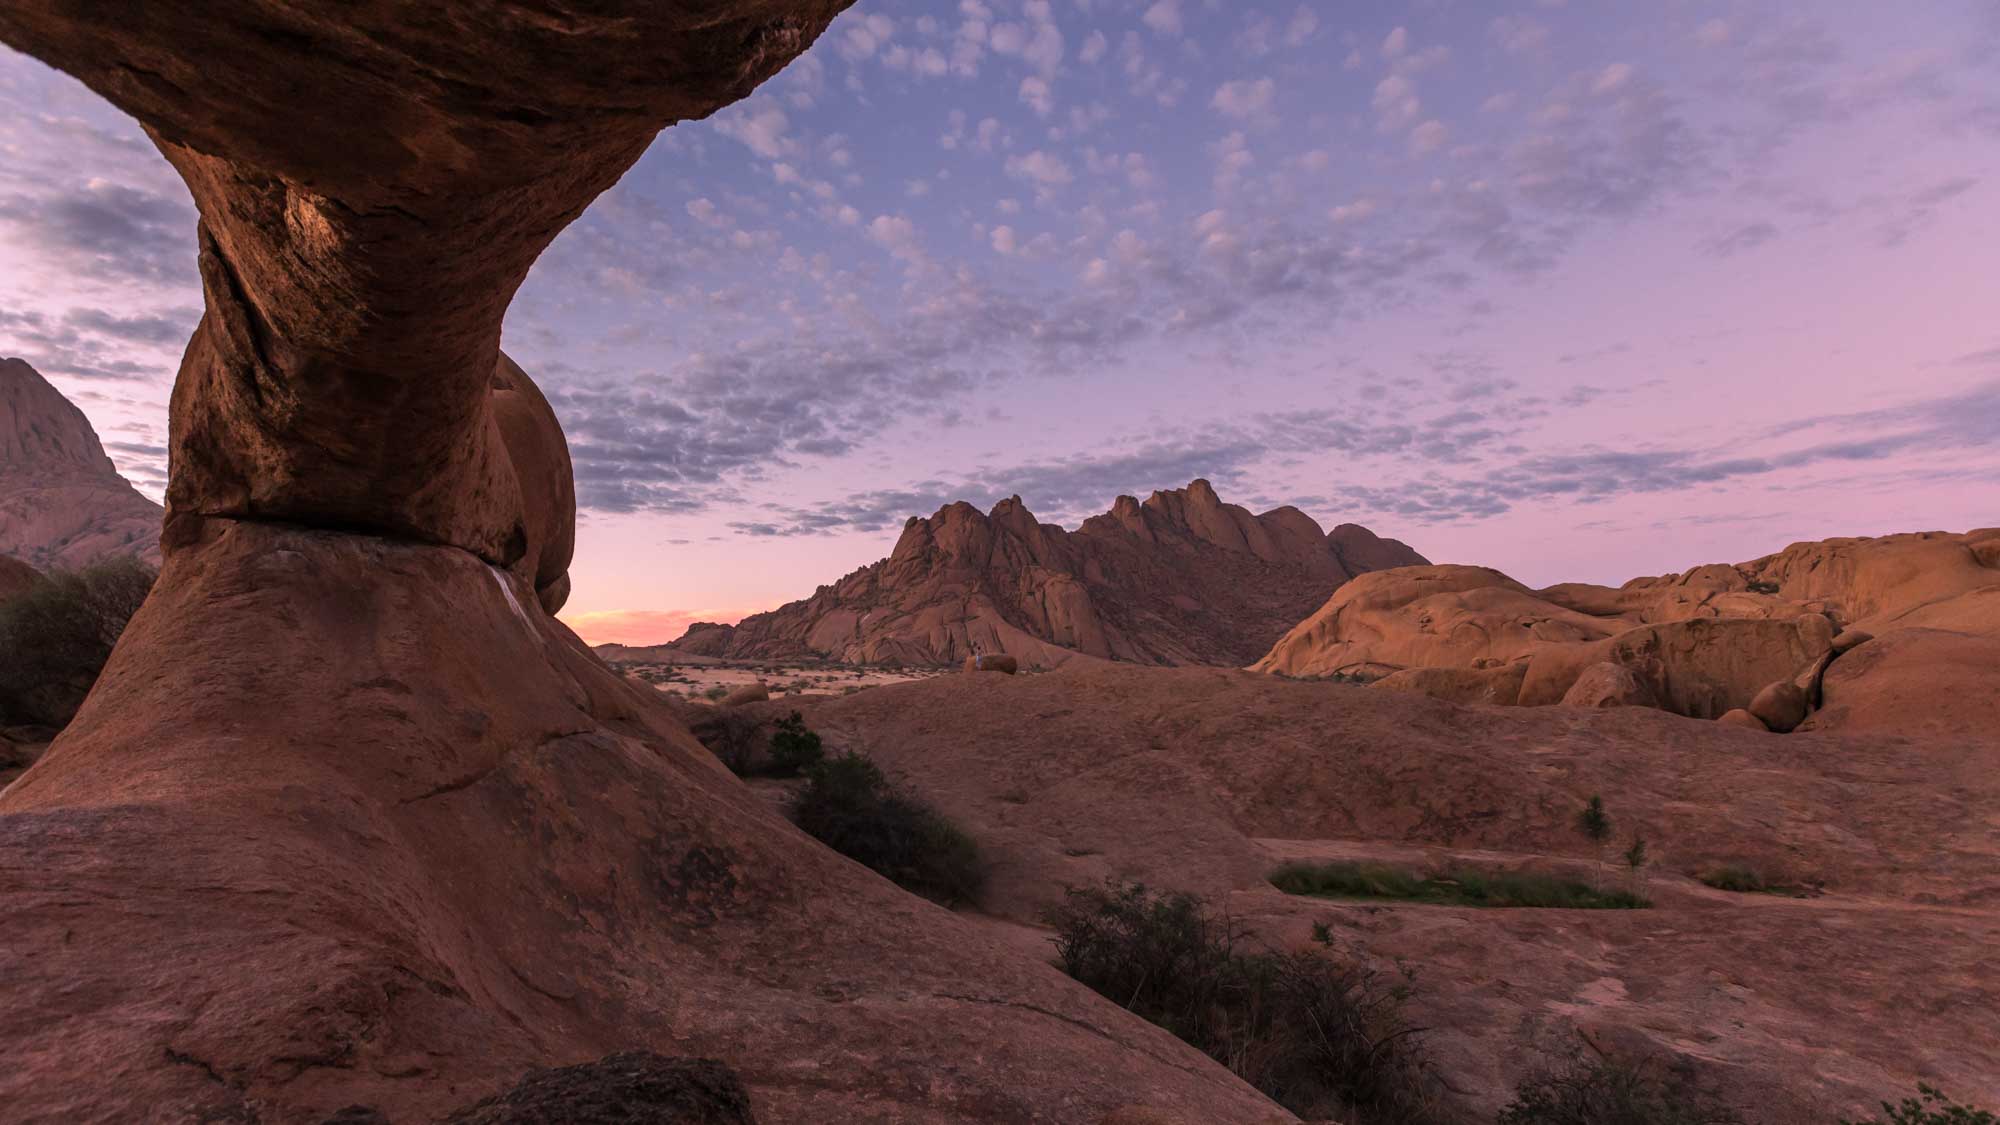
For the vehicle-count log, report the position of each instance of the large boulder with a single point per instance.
(1780, 706)
(1427, 617)
(1742, 718)
(1914, 681)
(1499, 686)
(1699, 668)
(1605, 684)
(539, 457)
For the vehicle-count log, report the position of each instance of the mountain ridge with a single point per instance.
(1181, 578)
(62, 502)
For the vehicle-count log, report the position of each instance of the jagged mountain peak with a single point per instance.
(1180, 578)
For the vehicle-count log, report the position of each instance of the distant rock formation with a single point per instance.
(1768, 637)
(1182, 578)
(62, 502)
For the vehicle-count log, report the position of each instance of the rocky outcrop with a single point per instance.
(1499, 686)
(1604, 684)
(1761, 637)
(62, 502)
(1181, 578)
(1921, 681)
(1426, 617)
(350, 824)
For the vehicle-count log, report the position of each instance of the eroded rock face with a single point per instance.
(1181, 578)
(1427, 616)
(62, 502)
(1699, 643)
(1932, 682)
(1606, 684)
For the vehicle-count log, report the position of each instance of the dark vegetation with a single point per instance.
(1930, 1107)
(1613, 1092)
(56, 636)
(1320, 1036)
(1744, 880)
(848, 805)
(1452, 887)
(795, 747)
(616, 1090)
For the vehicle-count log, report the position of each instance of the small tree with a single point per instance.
(1636, 860)
(55, 638)
(795, 747)
(1595, 825)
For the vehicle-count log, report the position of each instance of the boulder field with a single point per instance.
(1776, 640)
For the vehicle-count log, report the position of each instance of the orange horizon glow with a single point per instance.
(643, 627)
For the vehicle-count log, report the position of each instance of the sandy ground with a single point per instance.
(713, 680)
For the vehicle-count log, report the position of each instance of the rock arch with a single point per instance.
(349, 819)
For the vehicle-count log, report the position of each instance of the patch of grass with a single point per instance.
(1451, 887)
(1320, 1036)
(1612, 1092)
(848, 805)
(1930, 1107)
(1743, 880)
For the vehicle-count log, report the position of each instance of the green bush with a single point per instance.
(1321, 1037)
(1743, 880)
(794, 746)
(56, 636)
(1931, 1107)
(1610, 1092)
(1452, 887)
(850, 807)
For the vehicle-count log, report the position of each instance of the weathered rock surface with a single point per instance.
(1427, 616)
(1181, 578)
(1700, 643)
(1933, 683)
(1499, 687)
(1780, 706)
(1742, 718)
(1705, 666)
(748, 693)
(400, 822)
(1605, 684)
(1801, 1011)
(62, 502)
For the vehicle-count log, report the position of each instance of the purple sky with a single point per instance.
(1577, 295)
